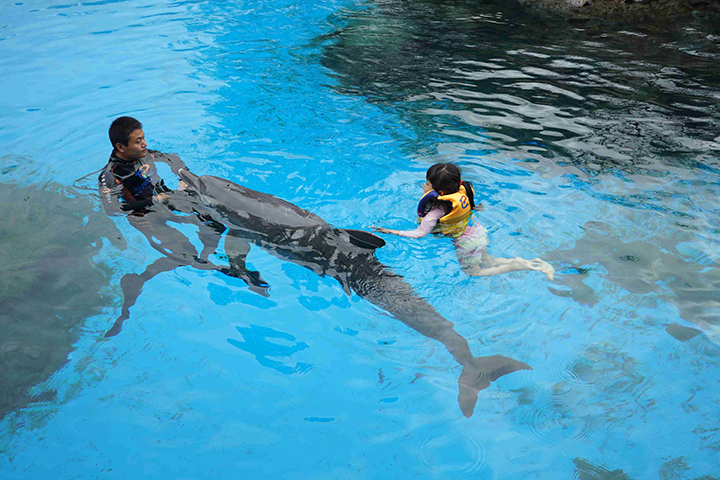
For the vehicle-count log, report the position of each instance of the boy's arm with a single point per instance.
(110, 193)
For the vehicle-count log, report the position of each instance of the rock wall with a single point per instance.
(632, 11)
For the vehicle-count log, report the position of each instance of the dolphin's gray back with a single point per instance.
(249, 204)
(307, 240)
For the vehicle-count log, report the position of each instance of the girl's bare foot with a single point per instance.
(544, 267)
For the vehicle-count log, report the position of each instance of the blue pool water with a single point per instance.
(593, 146)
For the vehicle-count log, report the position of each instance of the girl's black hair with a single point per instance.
(445, 177)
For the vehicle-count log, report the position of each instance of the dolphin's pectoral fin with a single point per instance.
(117, 326)
(363, 239)
(256, 280)
(251, 277)
(237, 249)
(257, 284)
(479, 374)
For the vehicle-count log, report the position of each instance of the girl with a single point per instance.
(446, 207)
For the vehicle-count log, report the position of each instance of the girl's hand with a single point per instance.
(381, 229)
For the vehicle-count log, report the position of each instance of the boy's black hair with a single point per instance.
(445, 177)
(121, 128)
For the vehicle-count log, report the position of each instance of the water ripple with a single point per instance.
(452, 453)
(551, 420)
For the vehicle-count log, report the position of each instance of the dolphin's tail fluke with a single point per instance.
(478, 375)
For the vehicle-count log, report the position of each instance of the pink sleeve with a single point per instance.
(426, 226)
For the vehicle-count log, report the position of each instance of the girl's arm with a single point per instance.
(426, 226)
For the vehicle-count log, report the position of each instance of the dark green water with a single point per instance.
(50, 282)
(606, 99)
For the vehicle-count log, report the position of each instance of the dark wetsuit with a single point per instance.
(130, 185)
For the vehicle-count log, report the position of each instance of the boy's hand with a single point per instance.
(161, 197)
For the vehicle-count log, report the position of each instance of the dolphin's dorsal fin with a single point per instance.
(363, 239)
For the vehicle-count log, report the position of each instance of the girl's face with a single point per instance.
(427, 187)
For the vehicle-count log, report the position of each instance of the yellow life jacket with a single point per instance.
(458, 205)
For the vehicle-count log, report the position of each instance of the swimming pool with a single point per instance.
(591, 146)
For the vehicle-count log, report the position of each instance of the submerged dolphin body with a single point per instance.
(299, 236)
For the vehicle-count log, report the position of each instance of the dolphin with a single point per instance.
(299, 236)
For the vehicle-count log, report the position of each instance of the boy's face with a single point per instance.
(136, 147)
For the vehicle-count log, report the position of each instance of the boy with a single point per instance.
(130, 183)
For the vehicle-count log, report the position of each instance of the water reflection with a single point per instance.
(641, 267)
(49, 283)
(256, 341)
(585, 470)
(595, 99)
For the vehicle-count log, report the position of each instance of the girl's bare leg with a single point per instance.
(495, 266)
